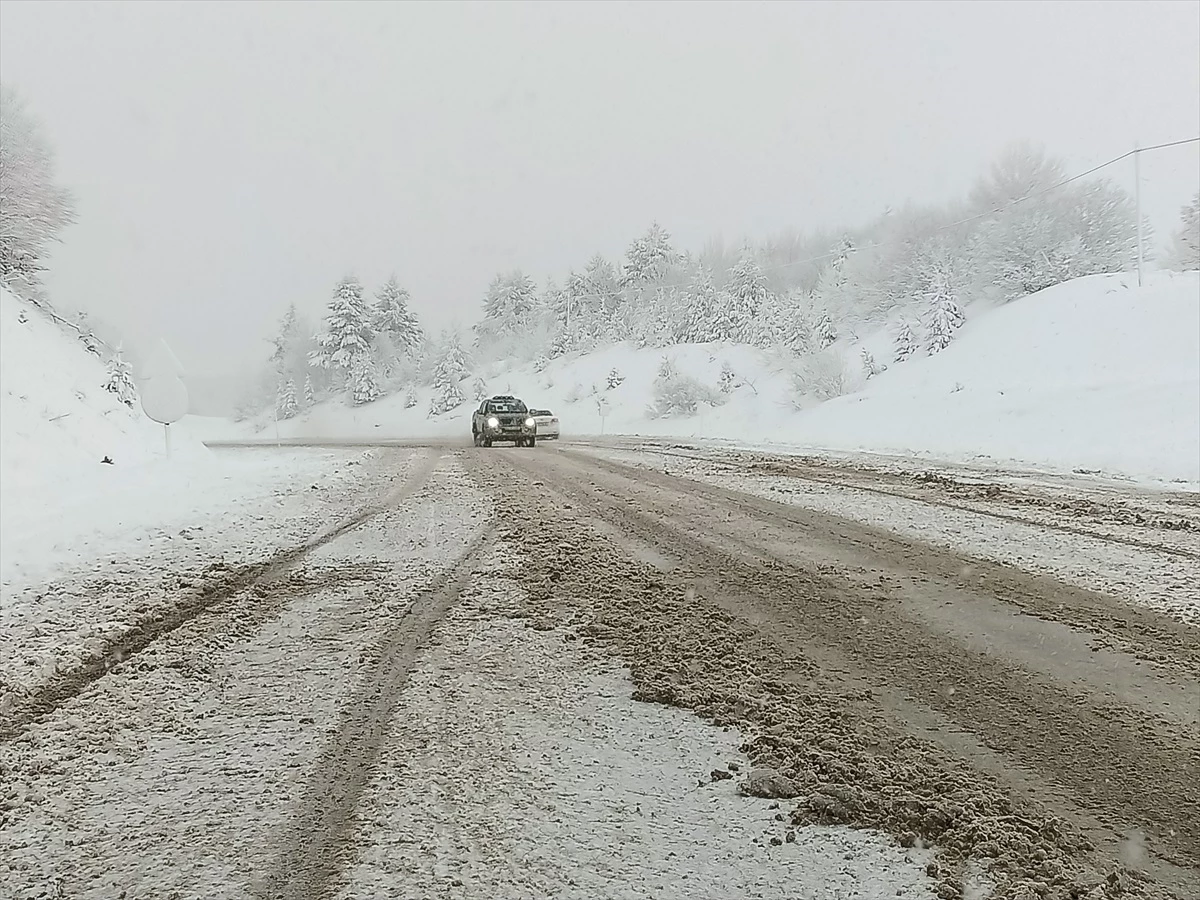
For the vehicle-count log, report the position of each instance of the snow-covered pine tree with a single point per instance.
(120, 378)
(448, 372)
(283, 341)
(906, 342)
(614, 378)
(870, 367)
(540, 363)
(945, 315)
(410, 399)
(286, 407)
(293, 343)
(602, 297)
(310, 396)
(393, 318)
(648, 258)
(345, 345)
(479, 390)
(511, 309)
(747, 294)
(824, 334)
(709, 315)
(1184, 252)
(363, 381)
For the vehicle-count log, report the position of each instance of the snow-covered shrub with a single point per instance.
(540, 363)
(676, 394)
(410, 399)
(120, 379)
(479, 390)
(446, 397)
(727, 380)
(575, 394)
(821, 376)
(870, 367)
(615, 378)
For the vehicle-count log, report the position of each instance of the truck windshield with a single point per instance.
(507, 406)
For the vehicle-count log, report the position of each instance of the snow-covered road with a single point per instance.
(320, 727)
(428, 677)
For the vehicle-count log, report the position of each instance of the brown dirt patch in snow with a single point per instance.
(781, 650)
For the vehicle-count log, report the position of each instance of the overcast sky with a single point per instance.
(229, 158)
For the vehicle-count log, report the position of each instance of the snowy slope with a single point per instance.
(1094, 374)
(56, 425)
(57, 417)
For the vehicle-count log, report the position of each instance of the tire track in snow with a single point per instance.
(1144, 632)
(1050, 724)
(885, 484)
(319, 843)
(225, 584)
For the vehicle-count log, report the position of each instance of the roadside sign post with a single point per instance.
(163, 393)
(603, 408)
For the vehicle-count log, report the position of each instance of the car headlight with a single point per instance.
(529, 423)
(493, 422)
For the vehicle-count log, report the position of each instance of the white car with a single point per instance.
(547, 424)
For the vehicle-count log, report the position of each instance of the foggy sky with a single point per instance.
(229, 158)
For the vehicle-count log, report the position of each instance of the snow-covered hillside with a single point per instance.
(58, 419)
(1094, 374)
(63, 507)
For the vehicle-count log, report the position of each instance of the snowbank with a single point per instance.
(57, 422)
(57, 417)
(1095, 374)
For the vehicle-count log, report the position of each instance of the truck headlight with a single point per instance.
(493, 422)
(529, 423)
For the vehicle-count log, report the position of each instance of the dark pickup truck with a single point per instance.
(503, 418)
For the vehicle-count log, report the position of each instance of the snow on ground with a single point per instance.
(75, 575)
(73, 528)
(1095, 374)
(1140, 575)
(515, 766)
(168, 777)
(59, 421)
(62, 504)
(122, 510)
(521, 769)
